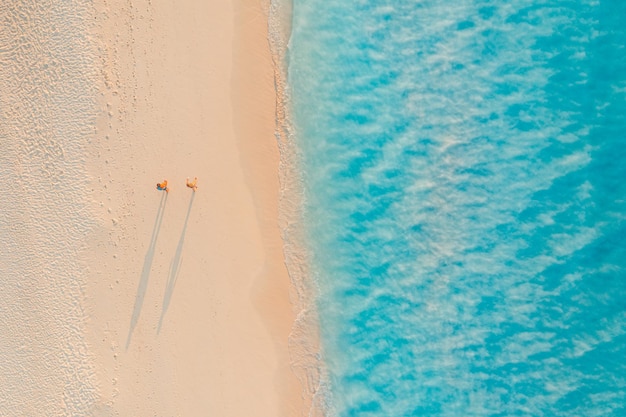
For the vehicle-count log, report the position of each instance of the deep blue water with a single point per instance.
(464, 173)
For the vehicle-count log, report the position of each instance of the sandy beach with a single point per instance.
(189, 290)
(180, 300)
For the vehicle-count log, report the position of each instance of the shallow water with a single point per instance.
(463, 167)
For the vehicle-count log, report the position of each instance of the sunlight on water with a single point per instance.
(463, 172)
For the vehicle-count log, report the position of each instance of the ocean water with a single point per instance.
(463, 168)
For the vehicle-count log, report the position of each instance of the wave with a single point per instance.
(304, 340)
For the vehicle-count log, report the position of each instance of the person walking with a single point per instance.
(162, 186)
(192, 184)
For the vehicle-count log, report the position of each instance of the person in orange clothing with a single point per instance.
(192, 184)
(163, 186)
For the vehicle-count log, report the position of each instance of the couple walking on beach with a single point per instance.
(162, 186)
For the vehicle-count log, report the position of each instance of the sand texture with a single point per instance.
(121, 300)
(47, 102)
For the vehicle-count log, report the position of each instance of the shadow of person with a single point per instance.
(147, 265)
(175, 267)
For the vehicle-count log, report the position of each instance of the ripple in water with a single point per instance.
(464, 181)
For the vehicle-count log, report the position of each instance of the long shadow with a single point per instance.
(175, 267)
(147, 265)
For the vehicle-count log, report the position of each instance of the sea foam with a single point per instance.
(462, 182)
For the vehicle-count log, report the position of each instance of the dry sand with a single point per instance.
(189, 292)
(47, 114)
(120, 300)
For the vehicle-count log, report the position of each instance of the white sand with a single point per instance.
(190, 297)
(120, 300)
(46, 120)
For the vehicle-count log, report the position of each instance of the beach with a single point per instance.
(201, 312)
(178, 301)
(401, 209)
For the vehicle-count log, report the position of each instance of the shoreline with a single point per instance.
(254, 92)
(187, 295)
(304, 339)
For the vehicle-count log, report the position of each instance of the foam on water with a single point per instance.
(464, 201)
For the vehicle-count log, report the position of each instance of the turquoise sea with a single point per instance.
(463, 168)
